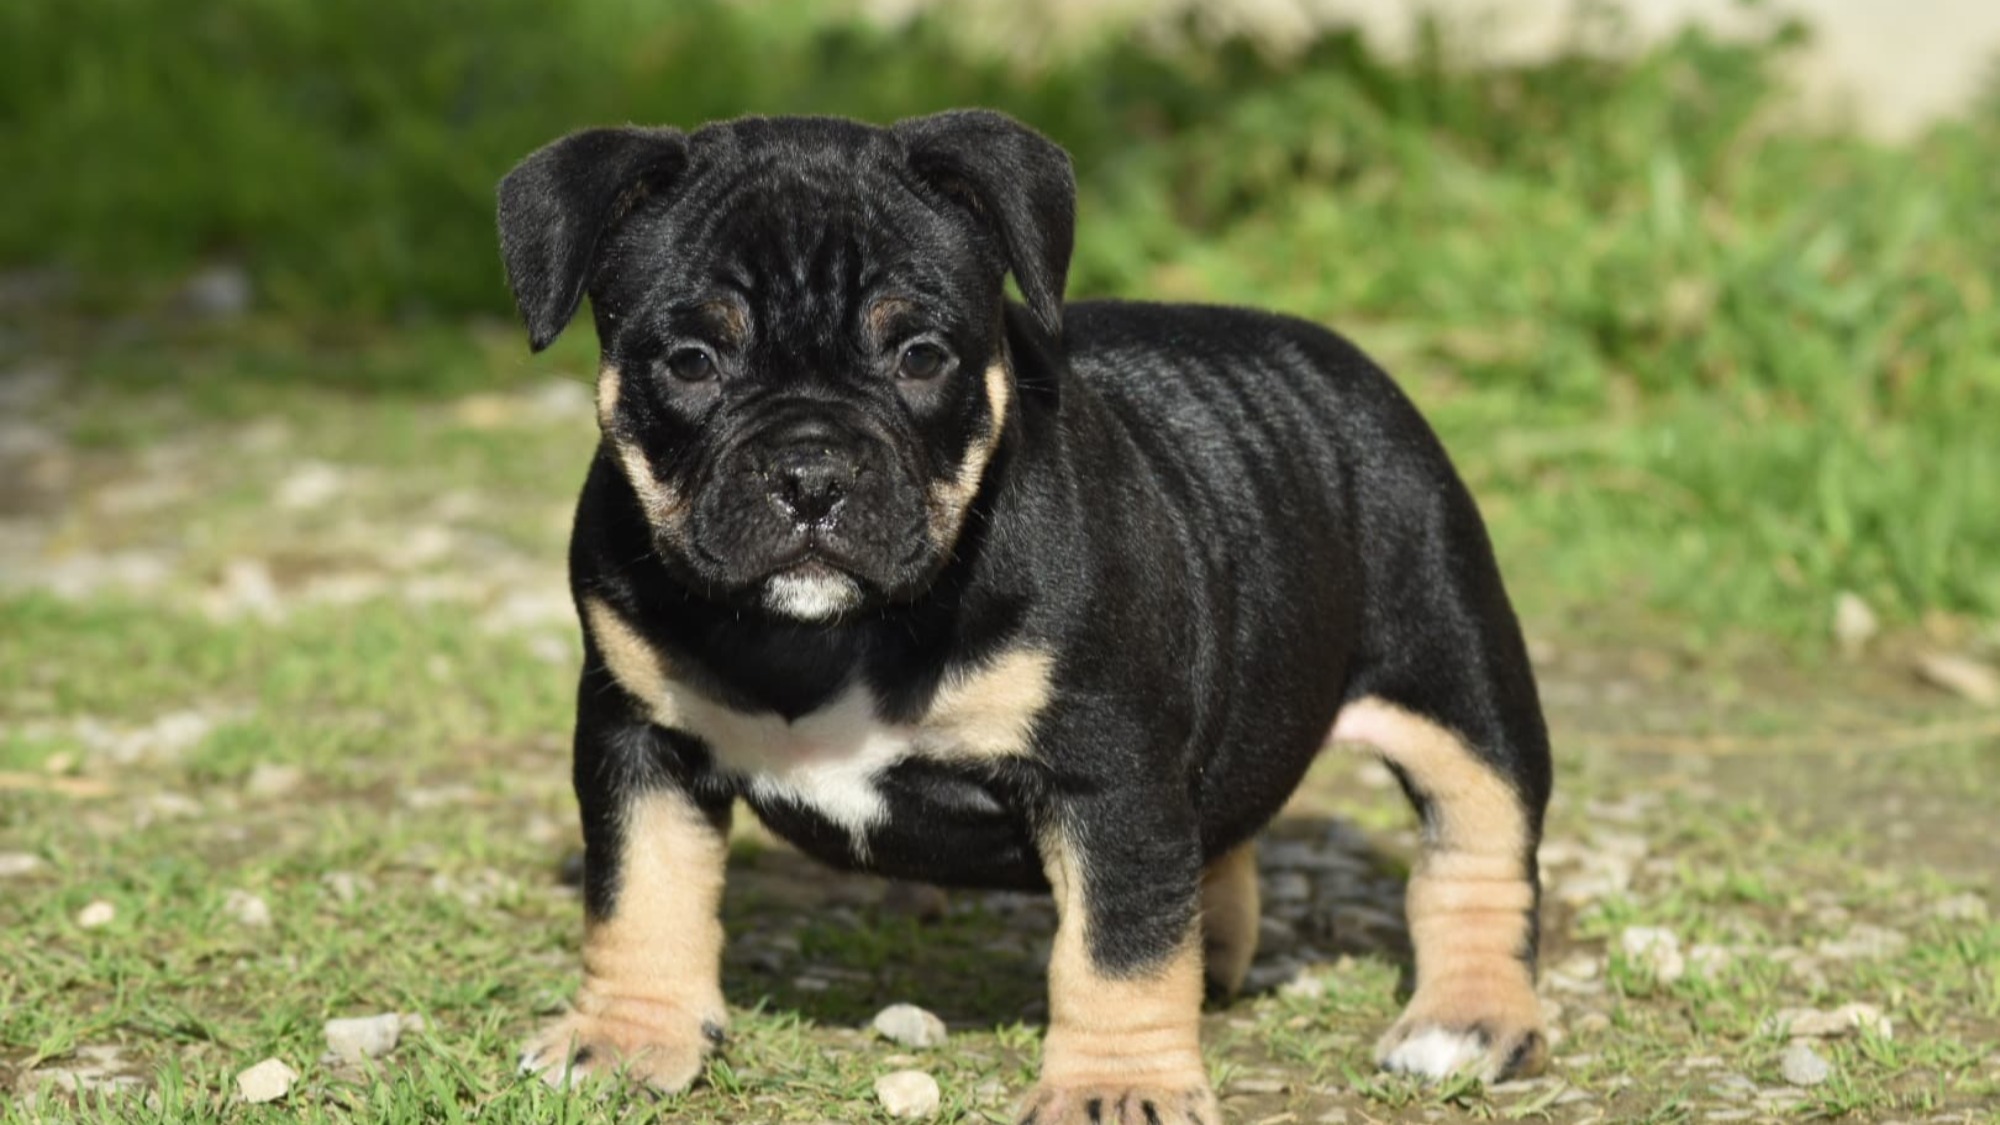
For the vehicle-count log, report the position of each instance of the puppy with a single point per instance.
(982, 593)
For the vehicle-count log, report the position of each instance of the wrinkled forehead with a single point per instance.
(811, 234)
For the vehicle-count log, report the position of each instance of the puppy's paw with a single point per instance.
(1110, 1104)
(660, 1046)
(1437, 1045)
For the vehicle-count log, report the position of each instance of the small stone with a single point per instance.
(1590, 1023)
(1258, 1086)
(248, 909)
(908, 1093)
(16, 864)
(1968, 907)
(1709, 960)
(246, 589)
(921, 901)
(907, 1025)
(1657, 950)
(1275, 936)
(1811, 1023)
(1854, 623)
(1266, 976)
(1332, 1117)
(363, 1037)
(217, 293)
(1960, 675)
(1865, 942)
(266, 1082)
(269, 779)
(169, 805)
(1733, 1087)
(1303, 987)
(1802, 1066)
(98, 913)
(311, 485)
(1287, 886)
(344, 885)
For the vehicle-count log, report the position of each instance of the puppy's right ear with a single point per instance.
(556, 206)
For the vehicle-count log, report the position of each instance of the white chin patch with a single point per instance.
(812, 596)
(1437, 1053)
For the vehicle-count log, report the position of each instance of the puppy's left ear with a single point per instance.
(557, 205)
(1015, 181)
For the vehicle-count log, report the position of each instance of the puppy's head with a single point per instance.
(804, 375)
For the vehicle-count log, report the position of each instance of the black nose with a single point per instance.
(809, 481)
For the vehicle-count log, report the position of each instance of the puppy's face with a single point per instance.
(804, 377)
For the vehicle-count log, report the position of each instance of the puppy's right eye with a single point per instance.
(691, 365)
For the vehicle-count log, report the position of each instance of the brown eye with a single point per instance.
(921, 361)
(691, 365)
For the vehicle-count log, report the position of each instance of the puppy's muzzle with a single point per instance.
(808, 481)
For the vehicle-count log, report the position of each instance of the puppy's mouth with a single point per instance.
(810, 589)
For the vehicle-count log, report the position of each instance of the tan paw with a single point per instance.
(1120, 1105)
(660, 1046)
(1493, 1049)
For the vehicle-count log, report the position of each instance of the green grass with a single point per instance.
(1707, 365)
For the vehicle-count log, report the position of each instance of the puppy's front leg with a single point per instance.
(1125, 975)
(651, 1001)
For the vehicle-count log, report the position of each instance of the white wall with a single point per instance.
(1889, 66)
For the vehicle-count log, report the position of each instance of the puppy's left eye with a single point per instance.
(691, 365)
(922, 361)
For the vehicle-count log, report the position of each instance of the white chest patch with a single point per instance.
(829, 761)
(826, 761)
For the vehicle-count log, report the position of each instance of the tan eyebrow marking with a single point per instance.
(883, 312)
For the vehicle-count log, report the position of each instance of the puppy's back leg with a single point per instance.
(1473, 893)
(1229, 916)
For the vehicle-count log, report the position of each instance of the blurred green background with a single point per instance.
(1704, 368)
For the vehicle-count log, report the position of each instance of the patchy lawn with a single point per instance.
(284, 705)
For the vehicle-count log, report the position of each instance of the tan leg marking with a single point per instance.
(1123, 1045)
(651, 1000)
(950, 499)
(1229, 915)
(1470, 906)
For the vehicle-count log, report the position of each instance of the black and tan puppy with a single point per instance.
(990, 594)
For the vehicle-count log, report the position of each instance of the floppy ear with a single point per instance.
(556, 205)
(1017, 182)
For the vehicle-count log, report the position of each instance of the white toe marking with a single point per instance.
(1436, 1053)
(810, 597)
